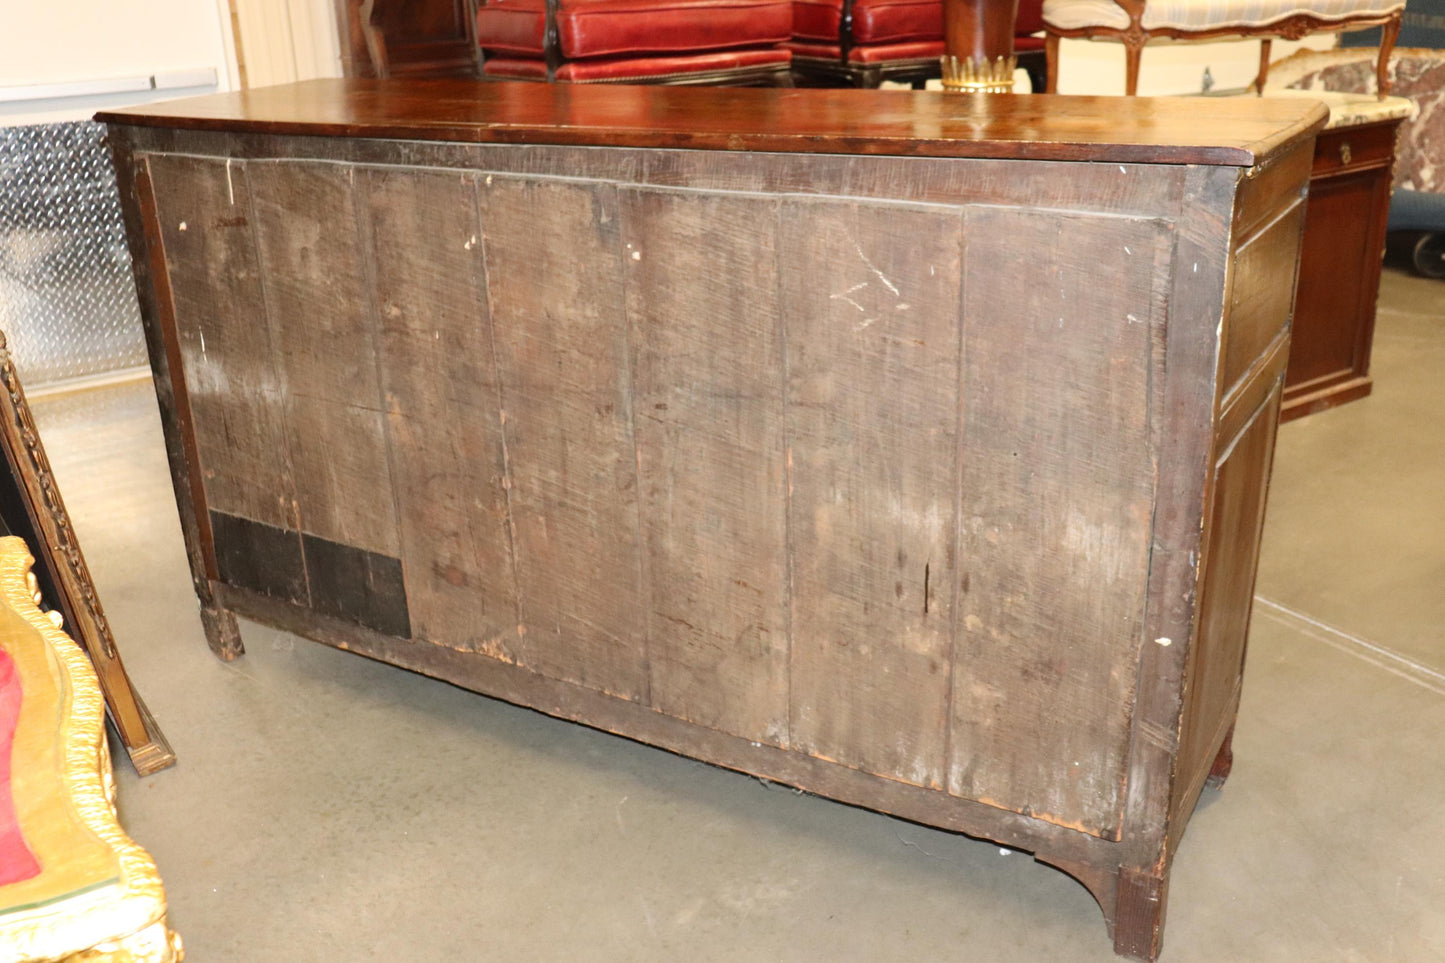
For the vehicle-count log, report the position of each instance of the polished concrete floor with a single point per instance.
(330, 808)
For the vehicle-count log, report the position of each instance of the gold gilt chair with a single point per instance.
(73, 887)
(1135, 22)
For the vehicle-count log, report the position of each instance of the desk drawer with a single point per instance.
(1352, 147)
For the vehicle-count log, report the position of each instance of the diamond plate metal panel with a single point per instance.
(67, 299)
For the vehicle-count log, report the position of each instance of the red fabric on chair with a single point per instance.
(923, 50)
(596, 28)
(1030, 19)
(874, 21)
(620, 69)
(17, 862)
(512, 26)
(604, 28)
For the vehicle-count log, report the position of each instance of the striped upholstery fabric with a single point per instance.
(1205, 14)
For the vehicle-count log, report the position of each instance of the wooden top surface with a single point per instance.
(1202, 130)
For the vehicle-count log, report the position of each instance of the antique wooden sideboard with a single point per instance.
(910, 449)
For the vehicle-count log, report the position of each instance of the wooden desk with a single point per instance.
(906, 448)
(1340, 257)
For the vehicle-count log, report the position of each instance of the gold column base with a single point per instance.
(978, 76)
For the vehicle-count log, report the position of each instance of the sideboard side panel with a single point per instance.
(1058, 487)
(1240, 478)
(1184, 428)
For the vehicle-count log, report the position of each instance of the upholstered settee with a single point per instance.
(1134, 23)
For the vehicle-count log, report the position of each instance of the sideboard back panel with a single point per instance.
(812, 471)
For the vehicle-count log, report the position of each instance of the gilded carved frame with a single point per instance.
(34, 510)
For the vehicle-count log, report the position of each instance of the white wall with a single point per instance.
(50, 46)
(283, 41)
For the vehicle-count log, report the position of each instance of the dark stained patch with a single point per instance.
(259, 557)
(357, 585)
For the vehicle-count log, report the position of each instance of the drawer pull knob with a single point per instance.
(1344, 152)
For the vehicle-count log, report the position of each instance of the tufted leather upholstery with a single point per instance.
(892, 39)
(874, 21)
(630, 39)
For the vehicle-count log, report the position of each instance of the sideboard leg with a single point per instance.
(1139, 914)
(1223, 762)
(222, 633)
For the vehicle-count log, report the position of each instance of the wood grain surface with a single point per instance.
(873, 388)
(310, 252)
(708, 381)
(1203, 130)
(237, 388)
(1057, 508)
(899, 478)
(440, 390)
(558, 311)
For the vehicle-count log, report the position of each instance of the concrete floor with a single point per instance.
(330, 808)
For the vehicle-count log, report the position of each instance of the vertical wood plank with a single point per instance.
(312, 259)
(237, 394)
(555, 280)
(438, 379)
(317, 297)
(707, 346)
(1057, 491)
(871, 297)
(338, 455)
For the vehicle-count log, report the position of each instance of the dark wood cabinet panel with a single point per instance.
(408, 38)
(1339, 274)
(931, 484)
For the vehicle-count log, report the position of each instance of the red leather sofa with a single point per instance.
(864, 42)
(637, 41)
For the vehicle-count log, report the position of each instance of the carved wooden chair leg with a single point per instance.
(1388, 36)
(1264, 44)
(1223, 762)
(375, 39)
(1051, 63)
(1133, 51)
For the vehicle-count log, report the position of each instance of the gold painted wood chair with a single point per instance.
(73, 887)
(1135, 22)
